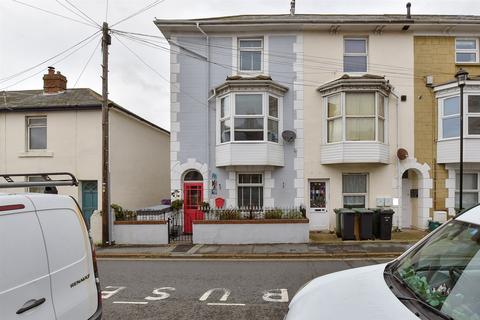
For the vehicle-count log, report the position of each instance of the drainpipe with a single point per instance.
(208, 110)
(399, 177)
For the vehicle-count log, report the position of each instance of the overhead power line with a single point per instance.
(86, 64)
(82, 13)
(55, 14)
(147, 7)
(72, 11)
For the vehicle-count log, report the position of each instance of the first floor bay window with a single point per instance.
(250, 190)
(356, 116)
(253, 116)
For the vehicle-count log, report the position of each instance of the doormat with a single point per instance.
(183, 247)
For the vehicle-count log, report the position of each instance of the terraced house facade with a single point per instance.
(319, 111)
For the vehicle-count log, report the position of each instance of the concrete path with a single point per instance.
(347, 249)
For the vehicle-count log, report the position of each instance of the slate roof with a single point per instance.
(330, 19)
(70, 99)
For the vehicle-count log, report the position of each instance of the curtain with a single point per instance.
(355, 183)
(360, 104)
(360, 129)
(335, 130)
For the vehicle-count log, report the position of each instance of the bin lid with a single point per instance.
(362, 210)
(343, 210)
(387, 211)
(375, 209)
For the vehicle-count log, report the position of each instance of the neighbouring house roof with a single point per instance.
(363, 82)
(312, 21)
(68, 100)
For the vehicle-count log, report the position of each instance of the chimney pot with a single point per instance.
(54, 83)
(409, 16)
(292, 7)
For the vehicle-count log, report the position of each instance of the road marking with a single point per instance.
(275, 295)
(224, 304)
(207, 294)
(161, 295)
(130, 302)
(109, 293)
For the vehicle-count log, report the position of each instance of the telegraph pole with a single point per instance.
(106, 41)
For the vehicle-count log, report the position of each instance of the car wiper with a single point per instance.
(428, 306)
(394, 276)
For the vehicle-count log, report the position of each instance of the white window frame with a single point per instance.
(29, 126)
(475, 51)
(469, 115)
(346, 54)
(251, 49)
(344, 118)
(356, 194)
(231, 104)
(225, 118)
(262, 185)
(441, 116)
(457, 191)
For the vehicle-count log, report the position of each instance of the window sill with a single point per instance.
(36, 154)
(460, 64)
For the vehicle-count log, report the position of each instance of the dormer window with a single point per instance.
(250, 53)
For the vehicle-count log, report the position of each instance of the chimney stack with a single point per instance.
(292, 8)
(409, 16)
(54, 82)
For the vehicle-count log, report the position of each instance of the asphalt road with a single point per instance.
(179, 289)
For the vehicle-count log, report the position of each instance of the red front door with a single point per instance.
(193, 198)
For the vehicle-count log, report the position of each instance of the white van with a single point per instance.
(47, 262)
(438, 278)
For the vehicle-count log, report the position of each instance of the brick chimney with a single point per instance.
(54, 82)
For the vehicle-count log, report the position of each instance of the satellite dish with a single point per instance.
(289, 136)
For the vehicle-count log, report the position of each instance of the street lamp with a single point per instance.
(462, 77)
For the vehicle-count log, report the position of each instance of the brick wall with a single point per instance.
(434, 56)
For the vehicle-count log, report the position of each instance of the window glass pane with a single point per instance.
(36, 189)
(360, 129)
(381, 130)
(355, 46)
(250, 60)
(272, 130)
(469, 199)
(451, 106)
(225, 130)
(473, 103)
(355, 64)
(272, 106)
(250, 43)
(248, 104)
(334, 108)
(354, 183)
(249, 123)
(381, 105)
(193, 175)
(473, 125)
(470, 181)
(360, 104)
(37, 121)
(249, 178)
(243, 196)
(248, 135)
(354, 202)
(466, 44)
(466, 57)
(451, 127)
(224, 108)
(335, 130)
(38, 138)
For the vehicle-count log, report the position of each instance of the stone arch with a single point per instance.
(178, 171)
(425, 184)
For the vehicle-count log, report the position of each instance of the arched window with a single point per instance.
(193, 175)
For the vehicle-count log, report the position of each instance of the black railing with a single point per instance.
(252, 213)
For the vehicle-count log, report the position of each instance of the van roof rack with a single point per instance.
(51, 179)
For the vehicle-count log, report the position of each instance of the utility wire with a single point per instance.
(75, 13)
(86, 64)
(2, 80)
(56, 62)
(147, 7)
(54, 13)
(82, 13)
(106, 11)
(156, 72)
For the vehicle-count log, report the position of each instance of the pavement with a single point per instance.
(338, 250)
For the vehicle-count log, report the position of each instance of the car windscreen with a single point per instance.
(445, 270)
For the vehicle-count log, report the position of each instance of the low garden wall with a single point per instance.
(250, 231)
(140, 232)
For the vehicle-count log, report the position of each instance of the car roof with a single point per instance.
(41, 201)
(471, 216)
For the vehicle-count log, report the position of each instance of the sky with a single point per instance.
(31, 36)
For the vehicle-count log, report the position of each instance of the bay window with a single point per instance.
(356, 116)
(255, 117)
(473, 115)
(450, 116)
